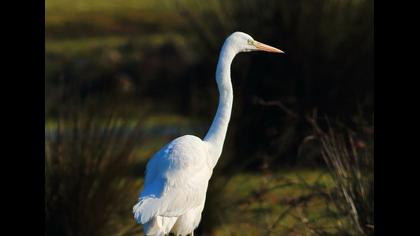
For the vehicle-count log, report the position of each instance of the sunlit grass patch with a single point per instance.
(281, 203)
(77, 6)
(83, 18)
(88, 45)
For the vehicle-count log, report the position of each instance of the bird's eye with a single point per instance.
(250, 42)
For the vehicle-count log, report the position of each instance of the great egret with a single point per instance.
(177, 176)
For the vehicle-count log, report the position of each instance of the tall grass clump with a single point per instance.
(349, 157)
(88, 154)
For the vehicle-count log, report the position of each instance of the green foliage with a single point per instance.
(86, 161)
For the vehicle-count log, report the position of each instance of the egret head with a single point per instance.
(245, 43)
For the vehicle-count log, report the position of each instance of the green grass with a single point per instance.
(250, 215)
(107, 6)
(79, 19)
(88, 45)
(78, 6)
(240, 213)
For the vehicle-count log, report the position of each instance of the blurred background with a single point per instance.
(125, 77)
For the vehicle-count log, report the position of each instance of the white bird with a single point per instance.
(177, 176)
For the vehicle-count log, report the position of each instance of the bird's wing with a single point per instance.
(176, 180)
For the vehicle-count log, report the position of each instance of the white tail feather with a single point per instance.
(145, 209)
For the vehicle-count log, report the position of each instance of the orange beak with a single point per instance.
(266, 48)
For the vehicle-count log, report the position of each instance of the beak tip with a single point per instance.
(268, 48)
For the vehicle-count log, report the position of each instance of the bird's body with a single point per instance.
(177, 176)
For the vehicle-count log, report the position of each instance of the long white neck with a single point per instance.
(217, 132)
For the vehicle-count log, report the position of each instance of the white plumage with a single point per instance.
(177, 176)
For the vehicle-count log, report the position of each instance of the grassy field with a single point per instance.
(281, 203)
